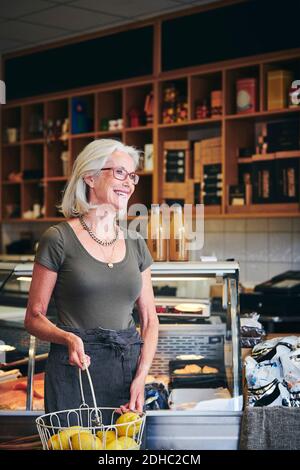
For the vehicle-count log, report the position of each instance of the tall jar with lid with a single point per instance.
(157, 242)
(178, 243)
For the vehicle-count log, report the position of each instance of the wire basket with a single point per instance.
(91, 428)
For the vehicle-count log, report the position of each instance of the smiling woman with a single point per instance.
(97, 272)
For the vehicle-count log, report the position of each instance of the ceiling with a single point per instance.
(33, 22)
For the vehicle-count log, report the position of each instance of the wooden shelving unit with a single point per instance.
(32, 152)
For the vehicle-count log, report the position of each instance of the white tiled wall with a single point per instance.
(263, 247)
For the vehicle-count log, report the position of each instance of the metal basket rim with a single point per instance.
(39, 419)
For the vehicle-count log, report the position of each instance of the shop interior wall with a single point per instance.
(264, 247)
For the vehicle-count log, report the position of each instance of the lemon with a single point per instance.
(114, 445)
(54, 443)
(129, 429)
(128, 443)
(66, 434)
(84, 440)
(107, 436)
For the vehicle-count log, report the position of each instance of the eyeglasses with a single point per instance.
(121, 174)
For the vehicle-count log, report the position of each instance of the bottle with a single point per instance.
(178, 243)
(157, 242)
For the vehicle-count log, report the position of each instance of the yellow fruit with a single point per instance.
(128, 443)
(129, 429)
(54, 443)
(114, 445)
(106, 436)
(66, 434)
(60, 441)
(84, 440)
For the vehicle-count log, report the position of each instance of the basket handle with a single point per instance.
(98, 420)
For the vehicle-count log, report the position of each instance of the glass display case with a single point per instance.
(198, 356)
(197, 363)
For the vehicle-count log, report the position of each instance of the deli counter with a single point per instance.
(194, 386)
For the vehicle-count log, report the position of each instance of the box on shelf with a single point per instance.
(246, 91)
(216, 103)
(237, 195)
(283, 135)
(279, 82)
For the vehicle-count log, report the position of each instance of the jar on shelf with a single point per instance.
(157, 241)
(178, 242)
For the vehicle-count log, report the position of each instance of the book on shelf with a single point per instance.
(287, 178)
(271, 181)
(263, 180)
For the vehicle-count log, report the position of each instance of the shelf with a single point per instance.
(126, 100)
(212, 210)
(39, 141)
(285, 208)
(139, 128)
(82, 135)
(108, 133)
(56, 178)
(33, 181)
(270, 156)
(145, 173)
(259, 114)
(193, 122)
(14, 144)
(174, 124)
(6, 182)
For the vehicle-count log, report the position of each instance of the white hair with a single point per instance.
(90, 160)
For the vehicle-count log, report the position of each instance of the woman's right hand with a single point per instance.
(77, 356)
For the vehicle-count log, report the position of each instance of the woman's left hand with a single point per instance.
(137, 391)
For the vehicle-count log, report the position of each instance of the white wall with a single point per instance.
(263, 247)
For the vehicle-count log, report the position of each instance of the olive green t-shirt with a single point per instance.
(87, 293)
